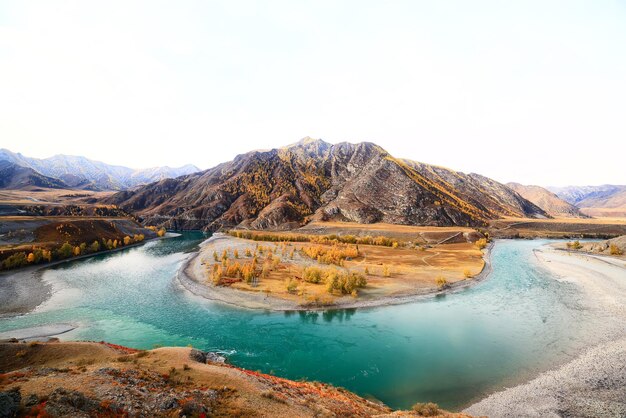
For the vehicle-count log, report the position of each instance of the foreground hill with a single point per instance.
(103, 380)
(81, 172)
(548, 201)
(605, 200)
(13, 176)
(313, 180)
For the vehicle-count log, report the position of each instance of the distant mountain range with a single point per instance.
(83, 173)
(309, 180)
(605, 200)
(548, 201)
(314, 180)
(13, 176)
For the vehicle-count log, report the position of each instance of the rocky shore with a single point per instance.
(593, 384)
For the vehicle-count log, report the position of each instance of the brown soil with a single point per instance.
(558, 228)
(390, 272)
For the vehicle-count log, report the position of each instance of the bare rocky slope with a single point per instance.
(548, 201)
(313, 180)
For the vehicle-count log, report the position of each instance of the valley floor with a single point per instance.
(594, 384)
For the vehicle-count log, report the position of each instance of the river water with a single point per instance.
(451, 350)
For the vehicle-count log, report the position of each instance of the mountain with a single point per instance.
(81, 172)
(480, 191)
(548, 201)
(605, 200)
(13, 176)
(314, 180)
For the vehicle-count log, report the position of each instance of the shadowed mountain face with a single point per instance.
(548, 201)
(314, 180)
(81, 172)
(13, 176)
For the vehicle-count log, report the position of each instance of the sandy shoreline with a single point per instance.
(592, 384)
(22, 291)
(191, 277)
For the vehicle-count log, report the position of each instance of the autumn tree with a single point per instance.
(15, 260)
(65, 250)
(441, 282)
(481, 243)
(615, 250)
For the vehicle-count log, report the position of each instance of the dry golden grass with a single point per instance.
(385, 228)
(558, 228)
(404, 233)
(389, 271)
(591, 221)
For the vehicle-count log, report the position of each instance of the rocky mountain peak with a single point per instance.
(312, 179)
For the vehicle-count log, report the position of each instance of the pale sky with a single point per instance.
(526, 91)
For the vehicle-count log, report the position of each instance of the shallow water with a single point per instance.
(450, 350)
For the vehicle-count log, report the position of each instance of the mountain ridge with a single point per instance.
(13, 176)
(82, 172)
(314, 180)
(603, 200)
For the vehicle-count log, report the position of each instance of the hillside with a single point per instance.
(313, 180)
(13, 176)
(548, 201)
(81, 172)
(105, 380)
(480, 191)
(606, 200)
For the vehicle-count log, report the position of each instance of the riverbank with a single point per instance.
(23, 290)
(100, 379)
(193, 276)
(594, 383)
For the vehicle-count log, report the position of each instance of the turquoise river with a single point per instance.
(451, 350)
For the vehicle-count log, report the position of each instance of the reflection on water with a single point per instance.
(327, 316)
(448, 350)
